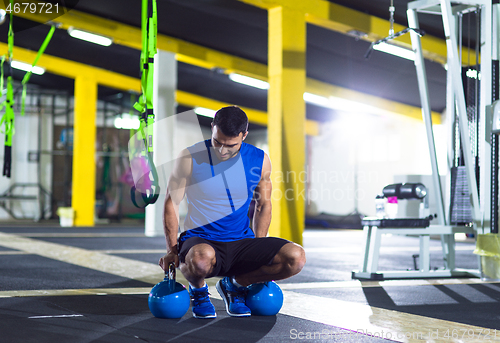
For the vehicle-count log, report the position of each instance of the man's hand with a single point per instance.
(167, 259)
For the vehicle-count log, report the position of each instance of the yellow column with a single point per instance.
(287, 120)
(83, 184)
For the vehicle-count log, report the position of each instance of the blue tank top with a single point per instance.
(219, 193)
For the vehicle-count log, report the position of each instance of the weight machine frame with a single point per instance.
(480, 199)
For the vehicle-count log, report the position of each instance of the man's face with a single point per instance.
(226, 147)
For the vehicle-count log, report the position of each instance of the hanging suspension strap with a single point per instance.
(27, 76)
(8, 120)
(144, 105)
(8, 117)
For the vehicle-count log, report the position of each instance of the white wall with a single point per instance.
(373, 149)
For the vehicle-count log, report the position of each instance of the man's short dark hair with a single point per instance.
(231, 121)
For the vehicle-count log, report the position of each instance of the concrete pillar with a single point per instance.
(165, 85)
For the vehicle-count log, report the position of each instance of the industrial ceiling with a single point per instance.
(239, 29)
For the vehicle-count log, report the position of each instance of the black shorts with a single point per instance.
(237, 257)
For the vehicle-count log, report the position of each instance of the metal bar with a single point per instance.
(451, 251)
(495, 25)
(426, 113)
(474, 2)
(452, 126)
(494, 139)
(409, 274)
(484, 101)
(494, 183)
(67, 160)
(494, 154)
(454, 69)
(425, 257)
(53, 124)
(446, 251)
(18, 197)
(39, 163)
(462, 9)
(422, 5)
(367, 232)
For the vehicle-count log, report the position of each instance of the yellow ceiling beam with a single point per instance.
(71, 69)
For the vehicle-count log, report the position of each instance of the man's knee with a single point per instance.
(199, 260)
(294, 257)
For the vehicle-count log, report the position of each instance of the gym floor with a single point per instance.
(92, 284)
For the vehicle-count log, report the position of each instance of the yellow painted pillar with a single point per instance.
(287, 120)
(84, 135)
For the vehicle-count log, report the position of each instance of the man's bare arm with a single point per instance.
(175, 193)
(263, 208)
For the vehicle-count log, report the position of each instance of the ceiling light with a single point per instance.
(27, 67)
(316, 100)
(202, 111)
(127, 121)
(249, 81)
(347, 105)
(395, 50)
(344, 105)
(89, 37)
(336, 103)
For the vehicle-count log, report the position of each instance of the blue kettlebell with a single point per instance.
(264, 299)
(168, 298)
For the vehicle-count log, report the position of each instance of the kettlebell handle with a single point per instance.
(170, 273)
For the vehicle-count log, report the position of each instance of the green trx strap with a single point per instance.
(1, 73)
(8, 117)
(27, 76)
(144, 105)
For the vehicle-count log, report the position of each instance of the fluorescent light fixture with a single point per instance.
(344, 105)
(202, 111)
(249, 81)
(90, 37)
(316, 100)
(395, 50)
(336, 103)
(127, 121)
(27, 67)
